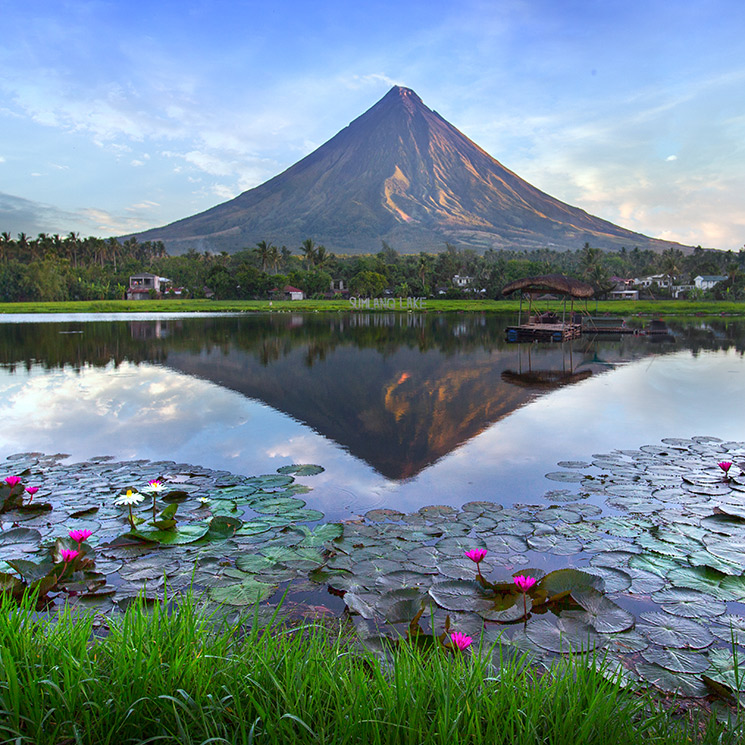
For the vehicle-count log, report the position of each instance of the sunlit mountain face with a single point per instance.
(399, 173)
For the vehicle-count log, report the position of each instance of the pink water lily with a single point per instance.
(725, 465)
(524, 583)
(80, 535)
(32, 490)
(12, 481)
(477, 554)
(68, 555)
(461, 640)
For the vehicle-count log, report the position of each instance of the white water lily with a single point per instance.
(154, 486)
(129, 498)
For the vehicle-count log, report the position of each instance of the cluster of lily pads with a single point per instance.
(639, 560)
(657, 540)
(238, 538)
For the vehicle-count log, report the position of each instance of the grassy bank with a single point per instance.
(173, 676)
(615, 307)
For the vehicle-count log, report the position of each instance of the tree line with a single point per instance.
(55, 268)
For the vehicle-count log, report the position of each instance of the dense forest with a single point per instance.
(53, 267)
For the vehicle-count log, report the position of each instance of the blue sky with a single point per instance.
(124, 115)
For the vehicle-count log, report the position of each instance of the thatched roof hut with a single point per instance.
(555, 283)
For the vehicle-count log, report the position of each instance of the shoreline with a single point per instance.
(643, 308)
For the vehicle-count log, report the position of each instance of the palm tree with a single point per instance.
(308, 247)
(263, 250)
(275, 258)
(322, 257)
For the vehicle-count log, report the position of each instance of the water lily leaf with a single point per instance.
(461, 595)
(153, 566)
(567, 476)
(248, 592)
(237, 493)
(20, 537)
(727, 669)
(614, 580)
(222, 527)
(673, 631)
(626, 642)
(277, 505)
(573, 464)
(689, 603)
(659, 565)
(323, 534)
(381, 515)
(565, 581)
(181, 535)
(305, 469)
(644, 583)
(456, 568)
(505, 544)
(680, 683)
(555, 544)
(729, 548)
(600, 612)
(564, 635)
(256, 527)
(676, 660)
(270, 481)
(403, 578)
(457, 546)
(706, 559)
(359, 604)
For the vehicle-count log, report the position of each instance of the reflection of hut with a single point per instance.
(544, 379)
(547, 325)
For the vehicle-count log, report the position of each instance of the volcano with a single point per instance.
(402, 174)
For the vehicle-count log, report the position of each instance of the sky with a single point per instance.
(122, 115)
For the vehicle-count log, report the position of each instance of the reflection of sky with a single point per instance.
(151, 412)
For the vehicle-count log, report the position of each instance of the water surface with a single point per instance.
(401, 410)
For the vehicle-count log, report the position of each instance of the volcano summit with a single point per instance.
(402, 174)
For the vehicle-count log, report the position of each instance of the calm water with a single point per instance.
(401, 410)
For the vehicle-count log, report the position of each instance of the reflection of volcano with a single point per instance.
(399, 411)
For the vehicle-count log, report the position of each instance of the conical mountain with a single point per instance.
(399, 173)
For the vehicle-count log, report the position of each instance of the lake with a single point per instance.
(401, 410)
(599, 467)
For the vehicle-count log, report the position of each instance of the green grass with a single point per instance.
(171, 674)
(615, 307)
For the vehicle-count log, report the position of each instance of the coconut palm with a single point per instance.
(308, 248)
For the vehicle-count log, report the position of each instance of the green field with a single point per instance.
(614, 307)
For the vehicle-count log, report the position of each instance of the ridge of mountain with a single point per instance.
(402, 174)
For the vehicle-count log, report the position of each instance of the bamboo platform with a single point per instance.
(544, 332)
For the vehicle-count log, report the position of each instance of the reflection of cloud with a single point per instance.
(149, 412)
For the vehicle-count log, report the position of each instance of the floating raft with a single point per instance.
(544, 332)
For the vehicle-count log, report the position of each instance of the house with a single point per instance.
(288, 292)
(707, 281)
(624, 294)
(141, 285)
(462, 281)
(661, 280)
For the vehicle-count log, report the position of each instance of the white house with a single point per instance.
(706, 282)
(462, 282)
(292, 293)
(140, 285)
(661, 280)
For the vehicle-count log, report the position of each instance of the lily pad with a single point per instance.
(304, 469)
(600, 612)
(673, 631)
(248, 592)
(689, 603)
(564, 635)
